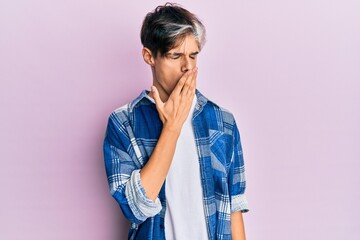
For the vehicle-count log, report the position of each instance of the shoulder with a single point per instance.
(225, 113)
(119, 115)
(218, 117)
(214, 109)
(123, 113)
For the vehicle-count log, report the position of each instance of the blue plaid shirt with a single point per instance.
(131, 135)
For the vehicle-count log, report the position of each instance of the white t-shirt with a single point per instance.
(184, 215)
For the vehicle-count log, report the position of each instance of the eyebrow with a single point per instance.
(180, 54)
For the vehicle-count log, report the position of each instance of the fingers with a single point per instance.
(180, 83)
(193, 83)
(187, 93)
(175, 110)
(189, 86)
(156, 96)
(179, 86)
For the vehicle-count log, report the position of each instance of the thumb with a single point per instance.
(156, 96)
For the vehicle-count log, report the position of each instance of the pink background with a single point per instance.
(290, 73)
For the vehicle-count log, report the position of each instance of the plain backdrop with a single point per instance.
(288, 70)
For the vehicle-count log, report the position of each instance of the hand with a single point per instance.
(175, 110)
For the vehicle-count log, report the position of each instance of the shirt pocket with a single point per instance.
(221, 150)
(221, 153)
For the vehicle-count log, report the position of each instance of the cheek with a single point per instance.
(168, 74)
(171, 75)
(171, 80)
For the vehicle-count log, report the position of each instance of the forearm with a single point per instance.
(237, 226)
(154, 172)
(172, 113)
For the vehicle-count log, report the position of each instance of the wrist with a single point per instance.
(171, 130)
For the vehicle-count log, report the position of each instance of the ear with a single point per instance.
(148, 57)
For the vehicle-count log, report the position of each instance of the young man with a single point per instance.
(173, 158)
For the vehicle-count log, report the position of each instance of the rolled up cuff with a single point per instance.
(239, 203)
(141, 206)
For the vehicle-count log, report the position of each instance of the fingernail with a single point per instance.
(152, 88)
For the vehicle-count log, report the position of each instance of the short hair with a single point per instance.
(166, 26)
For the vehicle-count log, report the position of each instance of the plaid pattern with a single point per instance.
(131, 135)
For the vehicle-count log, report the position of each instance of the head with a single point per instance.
(172, 37)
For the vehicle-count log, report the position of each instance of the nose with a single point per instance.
(187, 64)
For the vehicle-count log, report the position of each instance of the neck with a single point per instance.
(163, 95)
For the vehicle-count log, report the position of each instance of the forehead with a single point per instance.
(187, 44)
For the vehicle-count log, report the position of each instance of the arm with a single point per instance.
(123, 173)
(237, 226)
(173, 114)
(138, 197)
(237, 185)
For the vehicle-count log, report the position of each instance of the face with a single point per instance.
(169, 68)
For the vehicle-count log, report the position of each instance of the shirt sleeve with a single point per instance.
(236, 178)
(123, 175)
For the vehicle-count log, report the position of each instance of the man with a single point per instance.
(173, 158)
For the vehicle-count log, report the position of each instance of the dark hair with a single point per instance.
(163, 27)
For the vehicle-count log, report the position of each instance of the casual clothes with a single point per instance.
(183, 188)
(131, 136)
